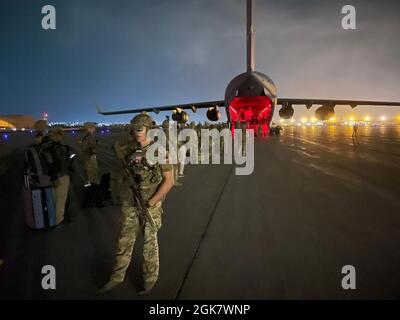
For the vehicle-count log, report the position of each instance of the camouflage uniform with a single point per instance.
(117, 187)
(132, 221)
(61, 178)
(89, 145)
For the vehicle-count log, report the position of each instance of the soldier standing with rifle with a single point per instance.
(147, 187)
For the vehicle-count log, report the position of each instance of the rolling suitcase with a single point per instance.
(28, 206)
(40, 209)
(39, 204)
(50, 207)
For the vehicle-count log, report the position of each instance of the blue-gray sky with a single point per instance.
(128, 54)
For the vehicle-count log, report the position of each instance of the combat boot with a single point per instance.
(111, 284)
(148, 286)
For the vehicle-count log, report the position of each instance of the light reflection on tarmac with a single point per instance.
(317, 200)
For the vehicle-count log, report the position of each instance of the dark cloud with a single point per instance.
(136, 53)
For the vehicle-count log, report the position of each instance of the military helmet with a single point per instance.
(142, 120)
(40, 125)
(88, 125)
(56, 131)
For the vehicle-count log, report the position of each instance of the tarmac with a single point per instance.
(317, 200)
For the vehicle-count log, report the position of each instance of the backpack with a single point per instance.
(54, 157)
(36, 174)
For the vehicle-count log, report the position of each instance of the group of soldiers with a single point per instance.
(145, 187)
(142, 188)
(154, 182)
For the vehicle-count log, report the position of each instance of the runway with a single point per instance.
(317, 200)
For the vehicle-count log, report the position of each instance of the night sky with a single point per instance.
(127, 54)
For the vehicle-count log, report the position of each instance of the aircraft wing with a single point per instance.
(352, 103)
(157, 110)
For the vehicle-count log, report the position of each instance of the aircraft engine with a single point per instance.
(213, 114)
(286, 112)
(180, 116)
(325, 113)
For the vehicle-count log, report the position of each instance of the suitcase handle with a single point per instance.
(26, 182)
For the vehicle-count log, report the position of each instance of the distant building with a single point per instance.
(16, 122)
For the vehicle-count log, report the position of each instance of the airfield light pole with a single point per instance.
(250, 34)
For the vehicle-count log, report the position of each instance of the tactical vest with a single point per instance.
(148, 177)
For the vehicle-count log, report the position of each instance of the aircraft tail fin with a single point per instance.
(98, 108)
(250, 38)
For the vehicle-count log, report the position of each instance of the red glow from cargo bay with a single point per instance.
(256, 112)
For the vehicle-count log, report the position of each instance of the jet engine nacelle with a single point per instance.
(286, 112)
(213, 114)
(324, 113)
(180, 117)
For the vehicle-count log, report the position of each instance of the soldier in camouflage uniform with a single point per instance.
(89, 145)
(56, 155)
(154, 182)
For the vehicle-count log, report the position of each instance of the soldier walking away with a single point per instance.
(278, 130)
(272, 129)
(92, 194)
(355, 129)
(147, 185)
(89, 146)
(58, 163)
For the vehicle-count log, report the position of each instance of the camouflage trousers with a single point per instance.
(61, 187)
(91, 169)
(131, 225)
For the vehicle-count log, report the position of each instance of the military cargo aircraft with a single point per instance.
(251, 97)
